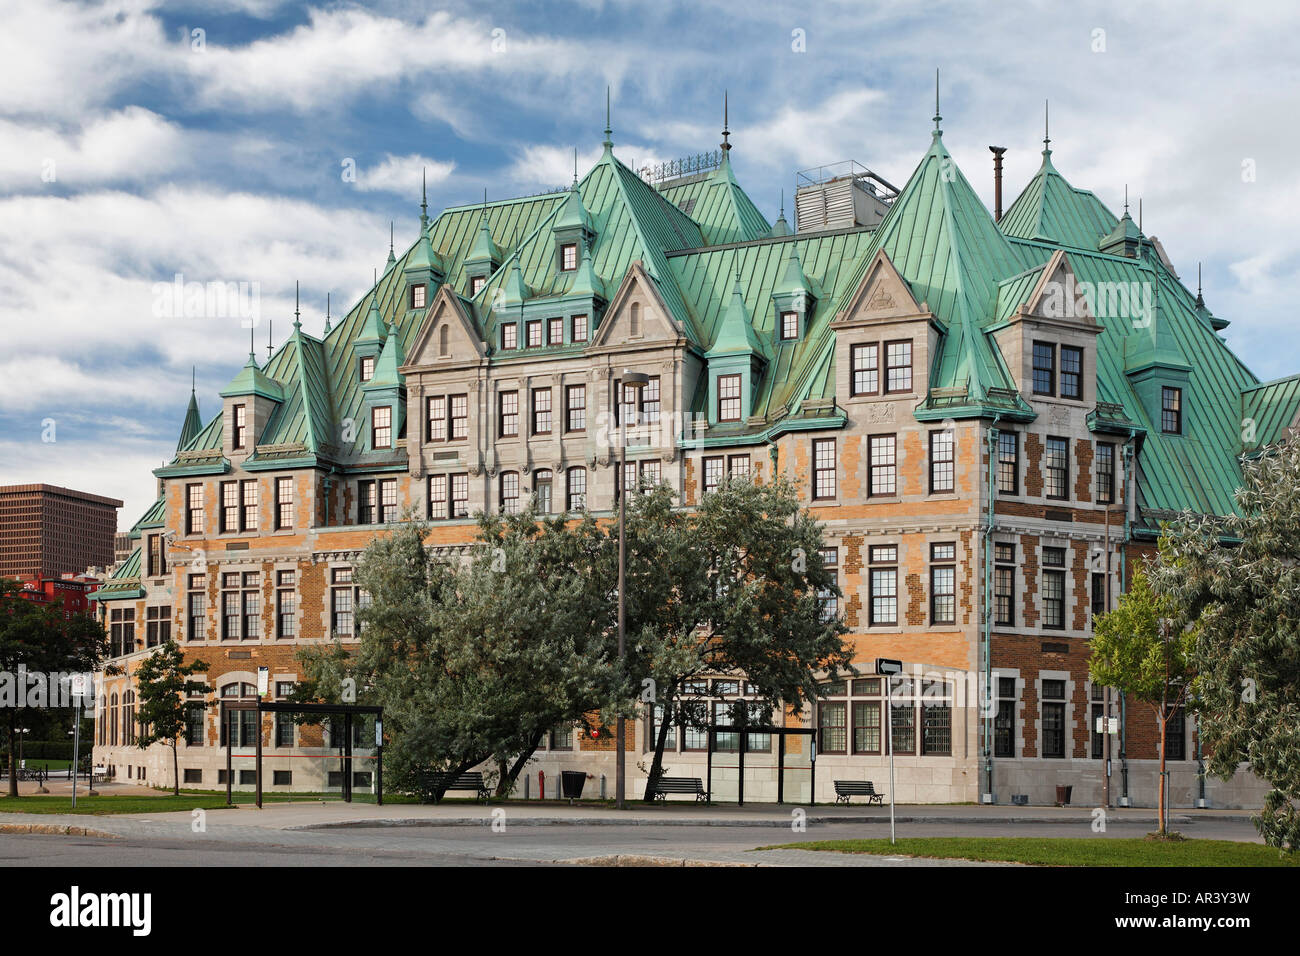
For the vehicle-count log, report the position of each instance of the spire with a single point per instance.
(609, 130)
(391, 257)
(585, 281)
(726, 131)
(297, 315)
(193, 424)
(938, 131)
(270, 323)
(1200, 299)
(424, 200)
(327, 313)
(575, 165)
(736, 332)
(780, 228)
(1047, 138)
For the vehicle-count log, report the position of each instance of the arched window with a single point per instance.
(128, 718)
(240, 725)
(112, 722)
(634, 323)
(100, 714)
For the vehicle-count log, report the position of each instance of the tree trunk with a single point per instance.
(508, 777)
(657, 764)
(176, 774)
(1164, 723)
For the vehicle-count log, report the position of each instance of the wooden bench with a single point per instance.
(433, 782)
(857, 788)
(667, 785)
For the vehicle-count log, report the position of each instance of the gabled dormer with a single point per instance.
(369, 341)
(1123, 240)
(385, 394)
(424, 269)
(483, 259)
(249, 399)
(735, 364)
(793, 300)
(573, 230)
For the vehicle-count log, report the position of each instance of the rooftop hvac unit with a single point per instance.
(840, 196)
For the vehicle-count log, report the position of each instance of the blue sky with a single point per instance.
(135, 149)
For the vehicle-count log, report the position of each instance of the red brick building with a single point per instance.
(46, 530)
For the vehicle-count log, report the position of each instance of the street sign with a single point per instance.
(79, 688)
(263, 681)
(1107, 725)
(886, 666)
(379, 733)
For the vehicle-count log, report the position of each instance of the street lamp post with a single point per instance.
(637, 380)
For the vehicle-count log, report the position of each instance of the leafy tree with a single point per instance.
(37, 641)
(1141, 648)
(162, 685)
(732, 588)
(1239, 579)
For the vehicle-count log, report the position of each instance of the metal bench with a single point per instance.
(856, 788)
(434, 782)
(693, 785)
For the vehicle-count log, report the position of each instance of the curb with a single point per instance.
(628, 859)
(53, 829)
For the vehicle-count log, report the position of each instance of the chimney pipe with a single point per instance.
(997, 152)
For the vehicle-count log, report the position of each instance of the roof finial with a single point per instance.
(726, 127)
(424, 199)
(609, 130)
(1126, 199)
(194, 377)
(391, 257)
(327, 313)
(297, 317)
(252, 349)
(782, 203)
(937, 117)
(1047, 138)
(575, 165)
(1200, 299)
(269, 324)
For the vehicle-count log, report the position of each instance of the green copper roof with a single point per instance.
(1268, 410)
(736, 331)
(1051, 209)
(573, 215)
(390, 360)
(585, 281)
(153, 518)
(484, 249)
(251, 380)
(372, 329)
(192, 424)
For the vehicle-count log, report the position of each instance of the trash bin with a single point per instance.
(1063, 796)
(572, 782)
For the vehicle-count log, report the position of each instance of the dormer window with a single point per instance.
(417, 296)
(728, 398)
(534, 329)
(898, 366)
(381, 427)
(568, 257)
(789, 326)
(578, 333)
(366, 368)
(509, 336)
(1071, 372)
(555, 332)
(241, 426)
(476, 284)
(1171, 410)
(1044, 368)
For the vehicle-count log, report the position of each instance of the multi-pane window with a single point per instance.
(833, 724)
(196, 608)
(867, 729)
(865, 362)
(193, 509)
(283, 721)
(1171, 410)
(366, 368)
(448, 417)
(194, 726)
(713, 473)
(542, 489)
(508, 414)
(157, 626)
(728, 398)
(228, 513)
(650, 473)
(240, 727)
(541, 411)
(936, 719)
(1071, 372)
(1175, 736)
(229, 607)
(1004, 721)
(509, 492)
(366, 509)
(240, 437)
(1004, 583)
(509, 336)
(283, 503)
(898, 366)
(476, 284)
(575, 492)
(1008, 462)
(555, 331)
(387, 500)
(640, 405)
(286, 605)
(417, 296)
(342, 602)
(1054, 587)
(381, 427)
(823, 468)
(830, 603)
(1105, 459)
(436, 415)
(737, 467)
(902, 719)
(248, 518)
(1044, 368)
(568, 257)
(884, 585)
(533, 330)
(1097, 584)
(942, 460)
(943, 583)
(1097, 712)
(241, 606)
(578, 328)
(1056, 477)
(575, 408)
(448, 496)
(157, 562)
(1053, 718)
(789, 326)
(883, 466)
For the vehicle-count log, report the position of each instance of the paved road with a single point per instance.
(243, 838)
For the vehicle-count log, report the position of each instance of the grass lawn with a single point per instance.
(1098, 851)
(105, 804)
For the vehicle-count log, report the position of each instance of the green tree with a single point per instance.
(732, 588)
(1143, 649)
(1239, 579)
(163, 686)
(38, 642)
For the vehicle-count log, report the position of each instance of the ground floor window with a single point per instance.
(1053, 722)
(1004, 722)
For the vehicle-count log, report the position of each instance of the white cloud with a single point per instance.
(403, 174)
(126, 146)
